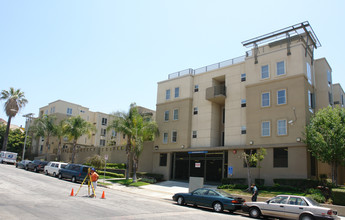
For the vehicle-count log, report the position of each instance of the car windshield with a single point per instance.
(223, 193)
(312, 201)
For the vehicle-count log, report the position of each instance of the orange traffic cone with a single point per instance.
(72, 193)
(103, 197)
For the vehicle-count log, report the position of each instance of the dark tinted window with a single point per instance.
(63, 165)
(76, 167)
(85, 169)
(280, 157)
(163, 160)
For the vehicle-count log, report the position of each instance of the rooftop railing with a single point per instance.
(210, 67)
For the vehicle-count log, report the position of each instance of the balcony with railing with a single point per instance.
(216, 94)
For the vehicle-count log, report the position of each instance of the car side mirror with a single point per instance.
(268, 201)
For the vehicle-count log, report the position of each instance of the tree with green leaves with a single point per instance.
(252, 158)
(59, 134)
(74, 128)
(14, 102)
(123, 123)
(16, 139)
(144, 129)
(325, 137)
(46, 127)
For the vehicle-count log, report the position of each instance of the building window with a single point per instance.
(102, 142)
(282, 128)
(311, 101)
(104, 121)
(330, 98)
(280, 68)
(167, 94)
(195, 111)
(329, 78)
(46, 112)
(113, 133)
(177, 92)
(196, 88)
(52, 109)
(165, 138)
(243, 77)
(342, 99)
(223, 115)
(174, 137)
(265, 99)
(166, 116)
(309, 73)
(123, 136)
(103, 132)
(243, 130)
(195, 134)
(264, 72)
(280, 157)
(69, 111)
(243, 102)
(265, 129)
(281, 97)
(163, 160)
(175, 114)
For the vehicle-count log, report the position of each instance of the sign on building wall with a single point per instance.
(197, 165)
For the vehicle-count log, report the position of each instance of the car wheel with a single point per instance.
(306, 217)
(218, 207)
(180, 200)
(254, 212)
(26, 168)
(54, 174)
(46, 172)
(35, 169)
(60, 176)
(74, 180)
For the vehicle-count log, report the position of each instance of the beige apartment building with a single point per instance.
(209, 116)
(62, 110)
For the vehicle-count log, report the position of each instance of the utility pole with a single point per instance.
(27, 125)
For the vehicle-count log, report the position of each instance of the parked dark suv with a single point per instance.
(36, 165)
(75, 172)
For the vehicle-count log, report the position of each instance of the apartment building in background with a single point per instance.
(100, 138)
(208, 117)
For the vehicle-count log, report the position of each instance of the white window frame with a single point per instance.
(167, 94)
(264, 128)
(243, 103)
(195, 110)
(282, 126)
(243, 77)
(174, 136)
(165, 137)
(196, 88)
(175, 114)
(262, 99)
(177, 92)
(268, 72)
(194, 134)
(69, 111)
(309, 75)
(243, 130)
(279, 97)
(166, 115)
(104, 121)
(284, 70)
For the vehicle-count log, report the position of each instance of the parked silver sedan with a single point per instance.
(289, 207)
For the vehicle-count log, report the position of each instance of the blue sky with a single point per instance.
(105, 55)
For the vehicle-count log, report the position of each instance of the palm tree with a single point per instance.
(144, 129)
(74, 128)
(15, 101)
(45, 127)
(123, 123)
(59, 134)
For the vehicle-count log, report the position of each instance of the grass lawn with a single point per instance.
(263, 193)
(129, 182)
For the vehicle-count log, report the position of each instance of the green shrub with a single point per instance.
(148, 180)
(227, 181)
(338, 196)
(297, 183)
(278, 187)
(116, 165)
(260, 182)
(233, 186)
(157, 177)
(111, 174)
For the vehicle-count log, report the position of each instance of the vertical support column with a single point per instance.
(288, 44)
(256, 51)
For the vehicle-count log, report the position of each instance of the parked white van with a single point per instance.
(53, 168)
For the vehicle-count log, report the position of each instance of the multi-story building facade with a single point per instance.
(62, 110)
(208, 117)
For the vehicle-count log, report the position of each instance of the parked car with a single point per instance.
(22, 164)
(36, 165)
(74, 172)
(53, 168)
(217, 199)
(289, 207)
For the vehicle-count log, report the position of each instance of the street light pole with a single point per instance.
(27, 125)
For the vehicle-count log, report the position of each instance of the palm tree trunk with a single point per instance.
(47, 145)
(4, 145)
(59, 150)
(135, 169)
(127, 165)
(73, 150)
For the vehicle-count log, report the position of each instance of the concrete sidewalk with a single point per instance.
(166, 189)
